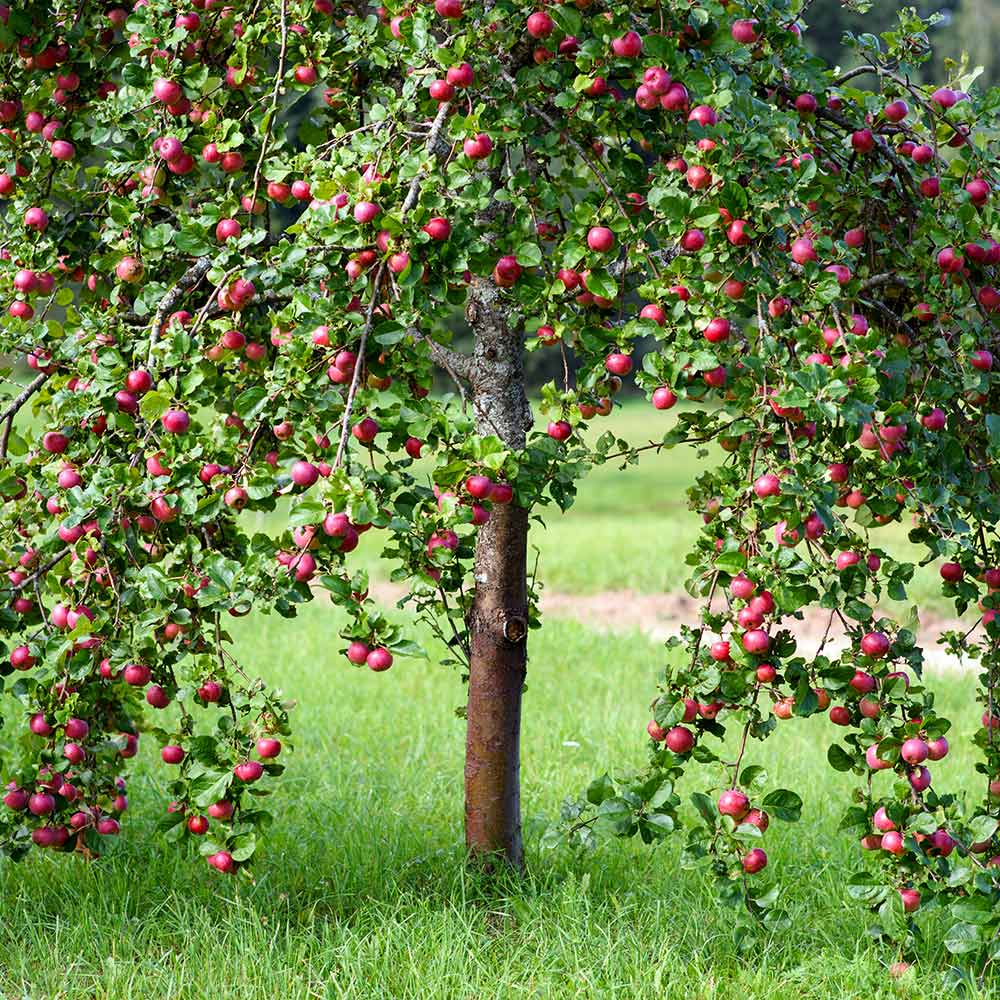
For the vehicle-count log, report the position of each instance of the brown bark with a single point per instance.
(499, 614)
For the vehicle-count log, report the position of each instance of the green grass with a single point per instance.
(360, 888)
(361, 891)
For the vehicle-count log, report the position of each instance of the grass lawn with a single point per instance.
(360, 889)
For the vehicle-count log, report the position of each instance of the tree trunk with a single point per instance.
(498, 620)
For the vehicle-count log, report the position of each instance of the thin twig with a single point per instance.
(408, 202)
(279, 77)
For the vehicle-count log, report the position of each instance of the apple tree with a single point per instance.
(235, 238)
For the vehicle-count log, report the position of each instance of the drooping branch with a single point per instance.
(455, 363)
(581, 152)
(43, 569)
(26, 393)
(851, 74)
(878, 280)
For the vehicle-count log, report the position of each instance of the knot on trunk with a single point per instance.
(515, 628)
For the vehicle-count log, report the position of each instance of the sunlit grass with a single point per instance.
(361, 891)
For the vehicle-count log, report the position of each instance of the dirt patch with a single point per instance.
(660, 616)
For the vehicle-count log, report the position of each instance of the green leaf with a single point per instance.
(982, 828)
(783, 804)
(661, 821)
(244, 846)
(215, 791)
(972, 910)
(530, 255)
(250, 402)
(962, 938)
(601, 283)
(839, 759)
(731, 562)
(706, 807)
(153, 406)
(993, 430)
(306, 510)
(600, 789)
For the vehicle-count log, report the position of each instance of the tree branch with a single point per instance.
(185, 283)
(851, 74)
(26, 393)
(455, 363)
(278, 78)
(882, 279)
(553, 124)
(43, 569)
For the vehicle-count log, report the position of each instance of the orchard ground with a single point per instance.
(361, 891)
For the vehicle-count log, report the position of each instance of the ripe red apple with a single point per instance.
(157, 697)
(656, 733)
(803, 251)
(840, 715)
(479, 147)
(268, 748)
(249, 771)
(365, 431)
(379, 659)
(981, 360)
(717, 330)
(951, 572)
(600, 239)
(767, 485)
(745, 31)
(875, 644)
(663, 398)
(875, 763)
(914, 751)
(734, 803)
(693, 240)
(198, 825)
(172, 754)
(863, 141)
(223, 860)
(618, 364)
(628, 46)
(41, 804)
(221, 810)
(304, 473)
(680, 740)
(137, 674)
(893, 842)
(175, 421)
(754, 861)
(479, 487)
